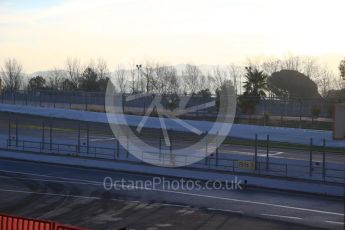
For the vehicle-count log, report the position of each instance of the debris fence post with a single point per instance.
(256, 152)
(324, 160)
(311, 157)
(267, 152)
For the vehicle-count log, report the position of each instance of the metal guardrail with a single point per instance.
(54, 136)
(286, 170)
(292, 112)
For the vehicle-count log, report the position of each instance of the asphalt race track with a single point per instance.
(77, 196)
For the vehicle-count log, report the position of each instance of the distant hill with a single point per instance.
(45, 73)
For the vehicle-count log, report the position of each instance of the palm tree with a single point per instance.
(256, 83)
(256, 88)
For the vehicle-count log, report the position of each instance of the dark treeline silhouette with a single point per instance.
(290, 77)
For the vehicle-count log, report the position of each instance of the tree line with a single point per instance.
(259, 78)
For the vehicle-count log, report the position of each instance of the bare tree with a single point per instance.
(120, 79)
(235, 73)
(338, 84)
(220, 76)
(310, 67)
(74, 71)
(102, 69)
(271, 65)
(134, 85)
(291, 63)
(148, 79)
(164, 79)
(193, 78)
(12, 74)
(55, 79)
(324, 81)
(211, 81)
(158, 81)
(342, 69)
(171, 80)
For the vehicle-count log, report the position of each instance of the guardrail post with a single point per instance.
(123, 102)
(256, 151)
(324, 160)
(16, 132)
(206, 143)
(118, 147)
(43, 134)
(217, 152)
(170, 147)
(206, 148)
(86, 105)
(311, 158)
(51, 135)
(160, 146)
(9, 132)
(169, 131)
(87, 138)
(267, 152)
(78, 148)
(53, 97)
(127, 149)
(300, 113)
(265, 111)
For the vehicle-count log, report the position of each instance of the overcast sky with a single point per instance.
(41, 34)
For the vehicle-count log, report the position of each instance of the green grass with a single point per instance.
(285, 145)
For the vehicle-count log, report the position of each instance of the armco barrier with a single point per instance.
(8, 222)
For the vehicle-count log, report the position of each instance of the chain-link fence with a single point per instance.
(94, 140)
(292, 112)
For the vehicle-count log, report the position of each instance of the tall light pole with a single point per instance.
(138, 67)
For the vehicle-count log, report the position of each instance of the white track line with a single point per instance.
(55, 181)
(199, 195)
(287, 217)
(334, 222)
(49, 176)
(108, 139)
(225, 210)
(175, 205)
(277, 153)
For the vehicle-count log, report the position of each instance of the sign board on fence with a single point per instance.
(246, 165)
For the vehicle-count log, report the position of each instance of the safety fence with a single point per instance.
(270, 111)
(313, 169)
(10, 222)
(255, 156)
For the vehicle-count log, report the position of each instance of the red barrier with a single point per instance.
(8, 222)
